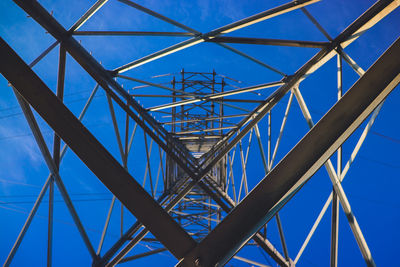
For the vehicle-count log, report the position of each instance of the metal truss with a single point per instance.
(236, 214)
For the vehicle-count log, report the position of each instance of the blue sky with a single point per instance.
(371, 184)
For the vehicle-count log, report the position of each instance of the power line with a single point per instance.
(70, 94)
(55, 201)
(20, 113)
(46, 132)
(72, 194)
(392, 139)
(19, 183)
(380, 162)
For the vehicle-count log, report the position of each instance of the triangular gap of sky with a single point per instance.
(370, 184)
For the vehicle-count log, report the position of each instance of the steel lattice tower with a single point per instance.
(194, 158)
(198, 127)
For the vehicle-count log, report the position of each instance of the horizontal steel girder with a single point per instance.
(92, 153)
(264, 41)
(300, 163)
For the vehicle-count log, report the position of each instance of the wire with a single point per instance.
(392, 139)
(380, 162)
(70, 94)
(19, 183)
(65, 102)
(46, 132)
(25, 211)
(55, 201)
(72, 194)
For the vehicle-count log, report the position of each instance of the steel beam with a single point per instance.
(217, 95)
(132, 33)
(159, 16)
(300, 163)
(103, 234)
(27, 223)
(250, 262)
(278, 140)
(259, 62)
(335, 202)
(90, 12)
(264, 41)
(93, 154)
(154, 85)
(56, 156)
(44, 53)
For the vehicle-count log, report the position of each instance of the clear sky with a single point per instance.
(371, 184)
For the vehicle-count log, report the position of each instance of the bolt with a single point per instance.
(197, 262)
